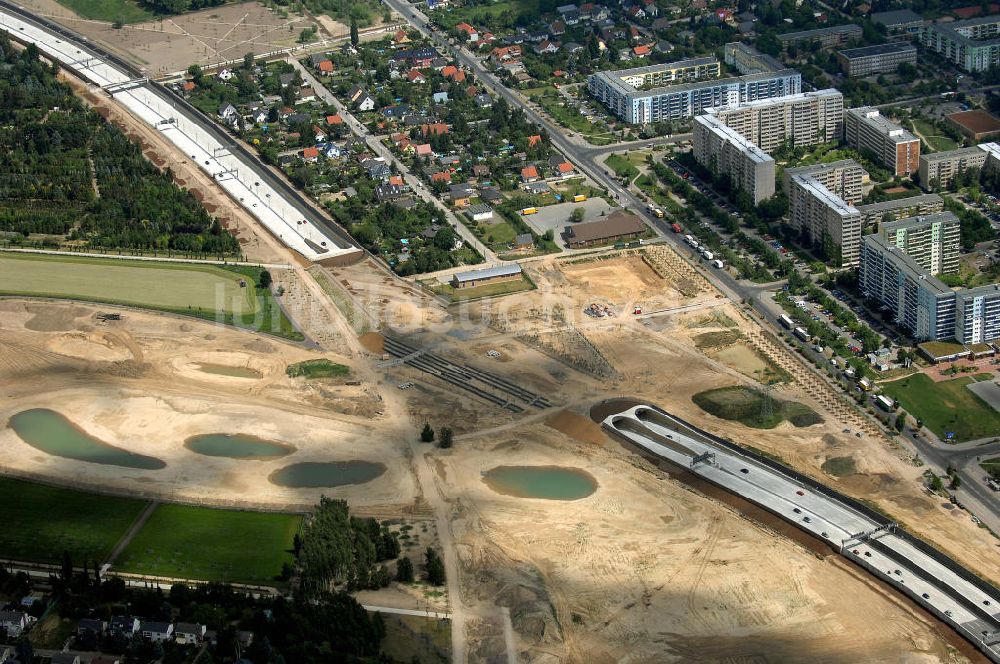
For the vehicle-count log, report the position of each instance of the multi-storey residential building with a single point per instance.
(973, 45)
(682, 71)
(900, 208)
(824, 219)
(723, 150)
(844, 178)
(897, 149)
(807, 118)
(923, 305)
(977, 314)
(747, 60)
(619, 90)
(876, 59)
(900, 24)
(938, 169)
(836, 35)
(932, 241)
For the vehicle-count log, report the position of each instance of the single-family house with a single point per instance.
(529, 174)
(449, 160)
(483, 100)
(415, 76)
(325, 68)
(545, 46)
(226, 75)
(316, 58)
(534, 140)
(401, 37)
(454, 73)
(440, 97)
(188, 87)
(524, 241)
(434, 129)
(229, 113)
(379, 171)
(153, 630)
(459, 194)
(189, 633)
(361, 99)
(334, 120)
(565, 169)
(333, 151)
(298, 118)
(91, 625)
(470, 31)
(286, 79)
(557, 28)
(424, 150)
(481, 171)
(490, 194)
(537, 188)
(641, 51)
(441, 176)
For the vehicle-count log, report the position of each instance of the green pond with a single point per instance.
(547, 482)
(53, 434)
(236, 446)
(314, 475)
(227, 370)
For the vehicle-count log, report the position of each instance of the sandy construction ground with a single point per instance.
(138, 384)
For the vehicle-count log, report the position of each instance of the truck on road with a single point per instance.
(675, 227)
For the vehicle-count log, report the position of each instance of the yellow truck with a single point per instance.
(579, 198)
(530, 210)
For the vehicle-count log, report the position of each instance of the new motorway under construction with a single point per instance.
(935, 581)
(281, 209)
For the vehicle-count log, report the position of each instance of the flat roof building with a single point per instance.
(900, 24)
(835, 35)
(977, 314)
(675, 90)
(973, 45)
(824, 220)
(976, 124)
(900, 208)
(919, 302)
(938, 169)
(877, 59)
(932, 241)
(802, 119)
(844, 177)
(723, 150)
(747, 60)
(897, 149)
(488, 275)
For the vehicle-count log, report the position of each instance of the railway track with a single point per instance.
(485, 385)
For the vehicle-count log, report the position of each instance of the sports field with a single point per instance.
(945, 406)
(40, 522)
(185, 542)
(174, 286)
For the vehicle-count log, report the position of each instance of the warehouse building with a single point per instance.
(489, 275)
(619, 90)
(802, 119)
(973, 45)
(932, 241)
(900, 208)
(619, 226)
(824, 219)
(876, 59)
(897, 149)
(837, 35)
(844, 177)
(723, 150)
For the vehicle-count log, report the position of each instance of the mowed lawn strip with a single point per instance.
(185, 542)
(945, 406)
(174, 286)
(40, 522)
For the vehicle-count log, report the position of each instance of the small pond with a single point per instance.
(236, 446)
(546, 482)
(314, 475)
(50, 432)
(228, 370)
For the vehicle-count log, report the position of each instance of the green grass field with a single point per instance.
(40, 522)
(126, 11)
(622, 166)
(318, 368)
(206, 291)
(217, 545)
(744, 405)
(932, 136)
(945, 406)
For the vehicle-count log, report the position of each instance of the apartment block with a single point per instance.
(723, 150)
(895, 148)
(824, 219)
(651, 94)
(901, 208)
(900, 24)
(938, 169)
(836, 35)
(932, 241)
(806, 118)
(977, 314)
(747, 60)
(973, 45)
(843, 178)
(876, 59)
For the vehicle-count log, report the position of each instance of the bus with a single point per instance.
(786, 321)
(801, 333)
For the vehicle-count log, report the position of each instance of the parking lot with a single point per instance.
(556, 217)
